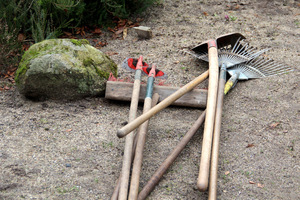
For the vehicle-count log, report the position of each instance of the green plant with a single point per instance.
(13, 16)
(247, 173)
(233, 18)
(102, 12)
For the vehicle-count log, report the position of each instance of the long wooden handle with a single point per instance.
(127, 158)
(170, 159)
(137, 162)
(163, 104)
(212, 192)
(202, 182)
(155, 99)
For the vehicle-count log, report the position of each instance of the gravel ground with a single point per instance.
(69, 150)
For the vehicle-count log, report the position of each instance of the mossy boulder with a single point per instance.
(63, 69)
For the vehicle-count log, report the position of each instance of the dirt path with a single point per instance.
(69, 150)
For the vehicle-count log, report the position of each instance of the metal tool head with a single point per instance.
(222, 41)
(232, 54)
(131, 63)
(258, 68)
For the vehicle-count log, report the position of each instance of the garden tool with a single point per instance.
(163, 104)
(170, 159)
(210, 114)
(212, 195)
(130, 64)
(224, 40)
(115, 194)
(155, 178)
(257, 68)
(230, 53)
(127, 160)
(137, 163)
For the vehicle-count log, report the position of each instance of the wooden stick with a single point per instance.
(121, 91)
(170, 159)
(213, 179)
(202, 182)
(127, 158)
(137, 163)
(115, 194)
(163, 104)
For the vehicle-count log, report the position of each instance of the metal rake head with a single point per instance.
(259, 68)
(240, 52)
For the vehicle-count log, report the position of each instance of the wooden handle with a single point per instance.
(127, 158)
(115, 194)
(170, 159)
(202, 182)
(163, 104)
(137, 163)
(212, 194)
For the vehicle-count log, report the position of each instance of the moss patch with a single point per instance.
(79, 42)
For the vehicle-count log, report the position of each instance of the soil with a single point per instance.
(69, 149)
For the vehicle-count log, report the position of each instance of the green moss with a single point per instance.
(79, 42)
(88, 62)
(24, 64)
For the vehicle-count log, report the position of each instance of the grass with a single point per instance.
(247, 173)
(106, 145)
(226, 177)
(232, 18)
(63, 190)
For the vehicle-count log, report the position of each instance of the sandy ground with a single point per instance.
(69, 150)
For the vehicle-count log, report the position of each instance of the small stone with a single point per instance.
(143, 32)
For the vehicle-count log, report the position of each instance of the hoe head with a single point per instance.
(130, 65)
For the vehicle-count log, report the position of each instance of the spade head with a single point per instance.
(222, 41)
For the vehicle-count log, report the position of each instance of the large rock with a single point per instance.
(63, 69)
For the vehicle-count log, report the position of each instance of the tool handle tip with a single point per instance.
(120, 133)
(202, 186)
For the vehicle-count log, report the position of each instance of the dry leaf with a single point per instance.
(139, 19)
(119, 31)
(205, 13)
(274, 125)
(6, 88)
(67, 33)
(251, 182)
(236, 7)
(260, 185)
(250, 145)
(110, 29)
(226, 173)
(97, 31)
(68, 130)
(21, 37)
(124, 33)
(110, 53)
